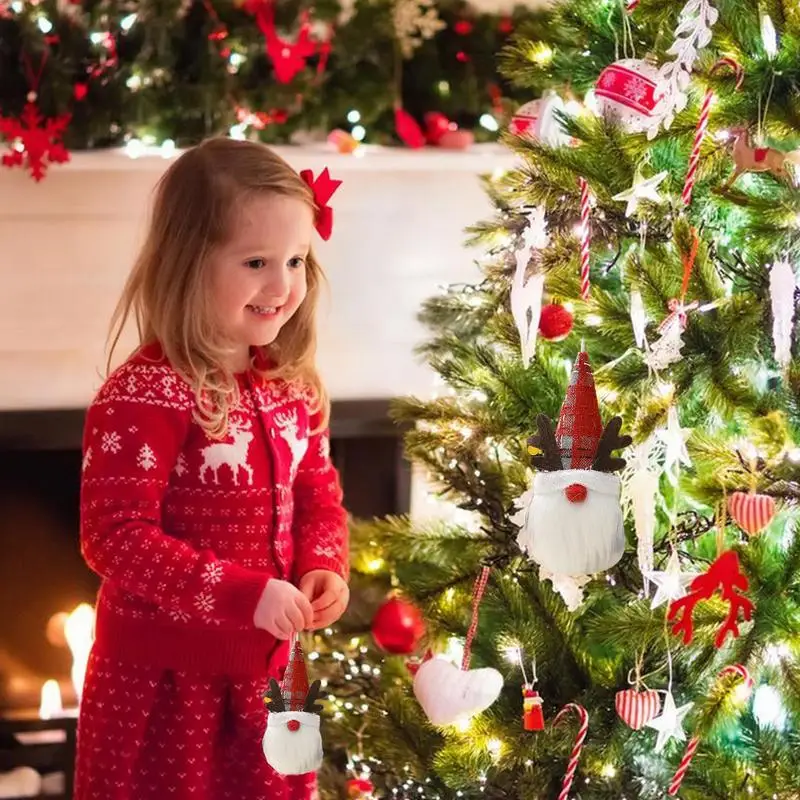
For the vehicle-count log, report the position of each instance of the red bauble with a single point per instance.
(398, 626)
(555, 322)
(358, 788)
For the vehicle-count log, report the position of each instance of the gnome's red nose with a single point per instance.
(293, 725)
(576, 492)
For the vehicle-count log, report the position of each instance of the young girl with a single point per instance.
(209, 504)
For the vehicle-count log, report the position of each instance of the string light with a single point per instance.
(127, 22)
(609, 771)
(359, 132)
(353, 116)
(489, 122)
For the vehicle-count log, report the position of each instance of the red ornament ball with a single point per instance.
(555, 322)
(398, 626)
(358, 788)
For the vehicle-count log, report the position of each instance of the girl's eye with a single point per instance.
(297, 262)
(255, 263)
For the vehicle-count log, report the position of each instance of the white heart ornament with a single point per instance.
(448, 694)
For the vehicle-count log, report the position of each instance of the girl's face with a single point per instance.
(258, 278)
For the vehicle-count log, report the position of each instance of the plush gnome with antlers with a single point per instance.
(571, 522)
(292, 743)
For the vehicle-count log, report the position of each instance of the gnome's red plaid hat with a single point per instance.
(294, 687)
(579, 425)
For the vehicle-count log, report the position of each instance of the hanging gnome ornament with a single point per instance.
(573, 522)
(292, 742)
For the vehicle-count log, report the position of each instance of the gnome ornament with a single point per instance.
(573, 521)
(292, 742)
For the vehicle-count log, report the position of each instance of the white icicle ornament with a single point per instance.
(782, 283)
(526, 292)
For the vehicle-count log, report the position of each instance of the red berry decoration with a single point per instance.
(398, 626)
(555, 322)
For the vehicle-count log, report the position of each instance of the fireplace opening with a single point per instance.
(42, 573)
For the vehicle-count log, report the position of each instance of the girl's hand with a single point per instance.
(282, 610)
(328, 593)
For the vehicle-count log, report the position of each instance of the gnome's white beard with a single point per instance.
(293, 752)
(569, 538)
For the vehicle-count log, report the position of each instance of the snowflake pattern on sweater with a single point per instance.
(186, 530)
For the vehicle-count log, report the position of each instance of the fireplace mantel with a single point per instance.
(67, 243)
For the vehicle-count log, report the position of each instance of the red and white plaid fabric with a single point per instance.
(579, 425)
(295, 681)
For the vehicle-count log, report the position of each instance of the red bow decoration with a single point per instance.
(323, 187)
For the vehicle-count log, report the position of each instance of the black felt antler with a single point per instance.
(273, 699)
(610, 441)
(548, 457)
(311, 697)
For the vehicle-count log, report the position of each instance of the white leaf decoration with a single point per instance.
(692, 33)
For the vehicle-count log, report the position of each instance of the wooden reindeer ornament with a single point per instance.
(747, 158)
(292, 742)
(572, 520)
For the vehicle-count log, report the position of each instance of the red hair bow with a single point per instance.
(323, 187)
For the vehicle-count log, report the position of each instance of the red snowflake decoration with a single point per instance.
(39, 138)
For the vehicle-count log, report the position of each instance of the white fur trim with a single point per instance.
(293, 752)
(574, 538)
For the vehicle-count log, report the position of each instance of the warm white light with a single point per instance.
(97, 38)
(609, 771)
(16, 7)
(722, 136)
(167, 148)
(769, 37)
(512, 654)
(489, 122)
(353, 116)
(358, 133)
(593, 320)
(463, 725)
(45, 26)
(50, 705)
(495, 747)
(79, 633)
(665, 389)
(134, 83)
(127, 22)
(134, 148)
(768, 709)
(444, 87)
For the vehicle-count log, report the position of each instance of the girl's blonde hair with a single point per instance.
(167, 291)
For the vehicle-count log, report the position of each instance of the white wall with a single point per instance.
(67, 243)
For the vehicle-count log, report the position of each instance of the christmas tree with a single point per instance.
(636, 599)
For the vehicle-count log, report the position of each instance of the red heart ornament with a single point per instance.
(637, 708)
(751, 512)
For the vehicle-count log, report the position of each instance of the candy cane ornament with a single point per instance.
(677, 779)
(586, 238)
(577, 746)
(702, 126)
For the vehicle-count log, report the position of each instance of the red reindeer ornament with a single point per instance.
(747, 158)
(572, 521)
(725, 575)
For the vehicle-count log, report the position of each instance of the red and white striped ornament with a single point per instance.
(636, 708)
(694, 742)
(751, 512)
(577, 745)
(702, 126)
(586, 238)
(627, 92)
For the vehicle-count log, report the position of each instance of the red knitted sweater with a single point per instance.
(185, 531)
